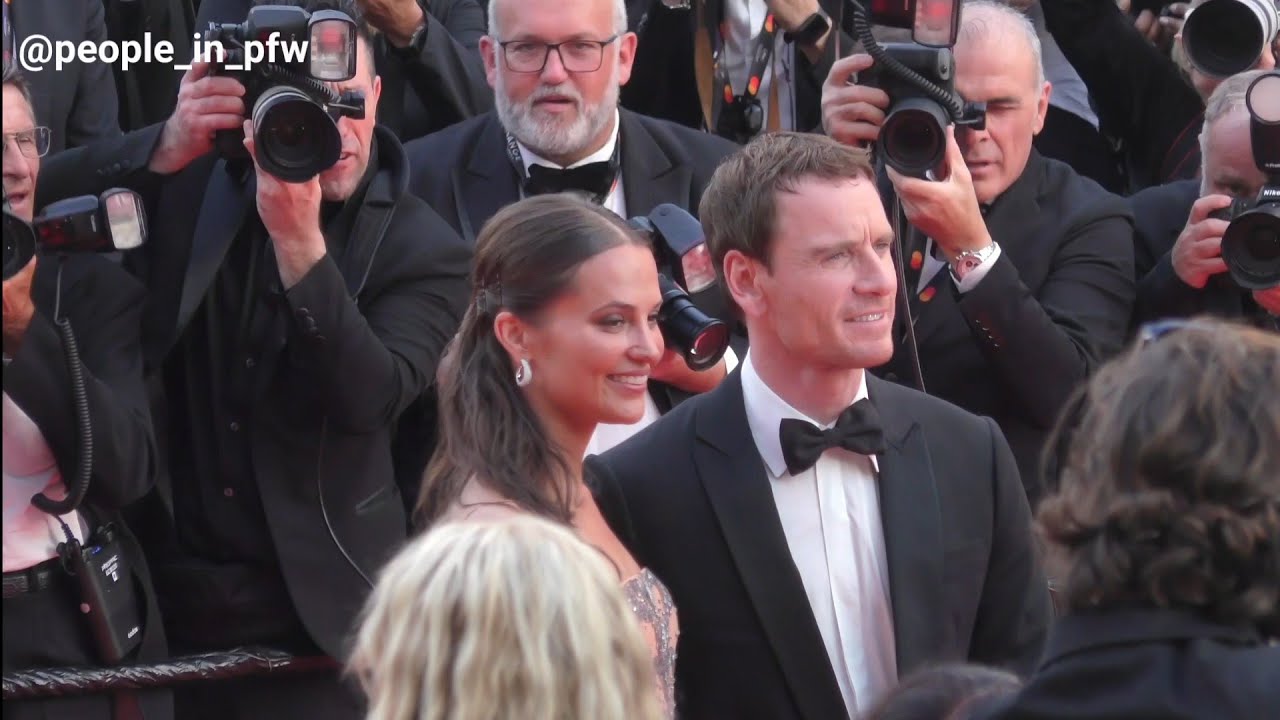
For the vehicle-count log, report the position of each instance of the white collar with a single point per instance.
(766, 410)
(602, 155)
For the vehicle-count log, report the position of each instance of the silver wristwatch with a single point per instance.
(966, 261)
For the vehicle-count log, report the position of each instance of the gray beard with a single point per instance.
(552, 136)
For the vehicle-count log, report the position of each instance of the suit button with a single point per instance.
(235, 426)
(891, 377)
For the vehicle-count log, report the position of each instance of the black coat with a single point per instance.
(103, 305)
(1135, 665)
(1055, 305)
(423, 90)
(78, 103)
(467, 176)
(368, 329)
(690, 498)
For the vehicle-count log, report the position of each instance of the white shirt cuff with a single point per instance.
(975, 275)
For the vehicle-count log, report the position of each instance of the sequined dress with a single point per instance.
(652, 604)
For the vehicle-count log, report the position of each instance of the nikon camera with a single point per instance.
(919, 78)
(1251, 244)
(284, 56)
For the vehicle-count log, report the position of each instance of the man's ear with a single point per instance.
(742, 276)
(626, 56)
(1042, 106)
(489, 54)
(513, 334)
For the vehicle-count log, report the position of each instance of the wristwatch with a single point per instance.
(810, 31)
(416, 41)
(966, 261)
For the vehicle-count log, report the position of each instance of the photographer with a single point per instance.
(1019, 272)
(42, 448)
(1176, 224)
(425, 51)
(292, 323)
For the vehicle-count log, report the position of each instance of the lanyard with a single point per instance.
(615, 163)
(761, 56)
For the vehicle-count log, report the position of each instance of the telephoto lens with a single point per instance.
(1251, 247)
(700, 338)
(1226, 37)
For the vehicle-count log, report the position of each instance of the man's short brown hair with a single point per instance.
(739, 207)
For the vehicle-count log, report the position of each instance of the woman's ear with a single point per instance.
(513, 334)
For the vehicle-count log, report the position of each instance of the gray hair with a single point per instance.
(1004, 18)
(1227, 98)
(619, 17)
(14, 77)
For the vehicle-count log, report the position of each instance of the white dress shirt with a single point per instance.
(616, 201)
(831, 517)
(744, 18)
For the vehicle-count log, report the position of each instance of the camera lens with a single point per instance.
(913, 137)
(701, 338)
(19, 244)
(1251, 248)
(1226, 37)
(294, 136)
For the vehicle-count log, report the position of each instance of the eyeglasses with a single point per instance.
(33, 143)
(579, 56)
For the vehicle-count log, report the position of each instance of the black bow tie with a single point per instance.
(857, 430)
(594, 179)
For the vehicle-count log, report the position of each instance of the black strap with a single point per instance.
(517, 162)
(748, 119)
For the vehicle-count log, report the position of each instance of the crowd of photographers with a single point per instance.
(229, 295)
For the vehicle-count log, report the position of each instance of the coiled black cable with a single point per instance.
(79, 487)
(862, 25)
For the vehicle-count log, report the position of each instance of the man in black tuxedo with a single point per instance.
(77, 103)
(1179, 237)
(813, 568)
(557, 127)
(291, 324)
(1019, 271)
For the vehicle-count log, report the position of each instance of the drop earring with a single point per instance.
(524, 373)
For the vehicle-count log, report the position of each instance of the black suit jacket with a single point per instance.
(78, 103)
(465, 173)
(103, 305)
(424, 89)
(663, 80)
(690, 498)
(1054, 306)
(368, 329)
(1124, 665)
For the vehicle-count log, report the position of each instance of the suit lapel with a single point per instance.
(912, 521)
(736, 483)
(221, 213)
(649, 176)
(487, 183)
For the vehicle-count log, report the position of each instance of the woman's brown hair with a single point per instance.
(1170, 488)
(527, 255)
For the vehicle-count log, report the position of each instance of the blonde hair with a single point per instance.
(514, 618)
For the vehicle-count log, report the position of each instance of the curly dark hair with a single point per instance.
(1169, 495)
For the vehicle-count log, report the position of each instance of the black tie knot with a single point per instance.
(856, 430)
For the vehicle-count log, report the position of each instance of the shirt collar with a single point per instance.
(766, 410)
(602, 155)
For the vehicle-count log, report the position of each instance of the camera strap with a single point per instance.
(746, 104)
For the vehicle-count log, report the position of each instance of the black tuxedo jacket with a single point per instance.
(367, 330)
(464, 171)
(664, 81)
(78, 103)
(1055, 305)
(690, 498)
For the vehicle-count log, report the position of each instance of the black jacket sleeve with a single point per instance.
(95, 110)
(448, 75)
(1015, 609)
(363, 360)
(103, 305)
(1045, 345)
(1141, 95)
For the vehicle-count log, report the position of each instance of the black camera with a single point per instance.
(919, 78)
(284, 56)
(1225, 37)
(1251, 244)
(683, 260)
(112, 221)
